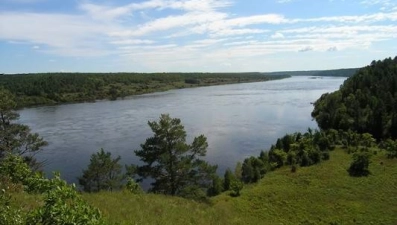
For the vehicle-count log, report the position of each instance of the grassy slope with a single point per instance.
(320, 194)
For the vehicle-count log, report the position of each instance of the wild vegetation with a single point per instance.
(336, 175)
(365, 103)
(55, 88)
(321, 194)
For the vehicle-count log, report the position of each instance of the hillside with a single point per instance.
(321, 194)
(366, 102)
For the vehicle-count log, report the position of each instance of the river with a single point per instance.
(239, 120)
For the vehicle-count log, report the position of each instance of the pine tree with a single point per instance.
(174, 165)
(103, 173)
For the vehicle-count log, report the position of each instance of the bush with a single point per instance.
(62, 205)
(359, 166)
(133, 187)
(8, 214)
(236, 187)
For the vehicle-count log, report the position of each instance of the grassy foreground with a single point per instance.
(321, 194)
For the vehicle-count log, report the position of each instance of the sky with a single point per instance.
(194, 35)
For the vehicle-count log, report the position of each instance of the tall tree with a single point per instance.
(103, 173)
(174, 165)
(16, 138)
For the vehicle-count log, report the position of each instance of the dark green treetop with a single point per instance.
(174, 165)
(16, 138)
(103, 173)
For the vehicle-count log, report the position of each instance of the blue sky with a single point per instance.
(194, 35)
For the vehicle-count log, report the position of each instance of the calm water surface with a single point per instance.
(239, 120)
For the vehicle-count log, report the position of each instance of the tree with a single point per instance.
(391, 148)
(359, 166)
(174, 165)
(253, 169)
(227, 179)
(103, 173)
(236, 186)
(216, 187)
(16, 138)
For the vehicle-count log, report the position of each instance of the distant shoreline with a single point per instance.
(34, 90)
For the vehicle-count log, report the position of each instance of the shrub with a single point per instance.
(236, 187)
(359, 166)
(62, 205)
(133, 187)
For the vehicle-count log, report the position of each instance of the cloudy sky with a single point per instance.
(194, 35)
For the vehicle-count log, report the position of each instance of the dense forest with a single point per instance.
(366, 102)
(54, 88)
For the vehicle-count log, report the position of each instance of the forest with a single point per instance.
(352, 156)
(366, 102)
(55, 88)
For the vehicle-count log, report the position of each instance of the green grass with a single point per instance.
(320, 194)
(126, 208)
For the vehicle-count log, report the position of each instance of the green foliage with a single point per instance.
(360, 164)
(278, 157)
(228, 177)
(62, 205)
(236, 186)
(253, 169)
(391, 147)
(174, 165)
(216, 187)
(103, 173)
(238, 170)
(133, 186)
(15, 169)
(320, 194)
(16, 138)
(9, 215)
(365, 103)
(54, 88)
(298, 149)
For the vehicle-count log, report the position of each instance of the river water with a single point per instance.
(239, 120)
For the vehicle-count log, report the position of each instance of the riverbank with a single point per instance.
(59, 88)
(321, 194)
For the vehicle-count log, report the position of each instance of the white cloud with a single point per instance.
(105, 12)
(36, 47)
(198, 30)
(132, 42)
(277, 35)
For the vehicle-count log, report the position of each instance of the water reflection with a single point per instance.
(239, 120)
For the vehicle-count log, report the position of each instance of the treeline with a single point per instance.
(54, 88)
(325, 73)
(365, 103)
